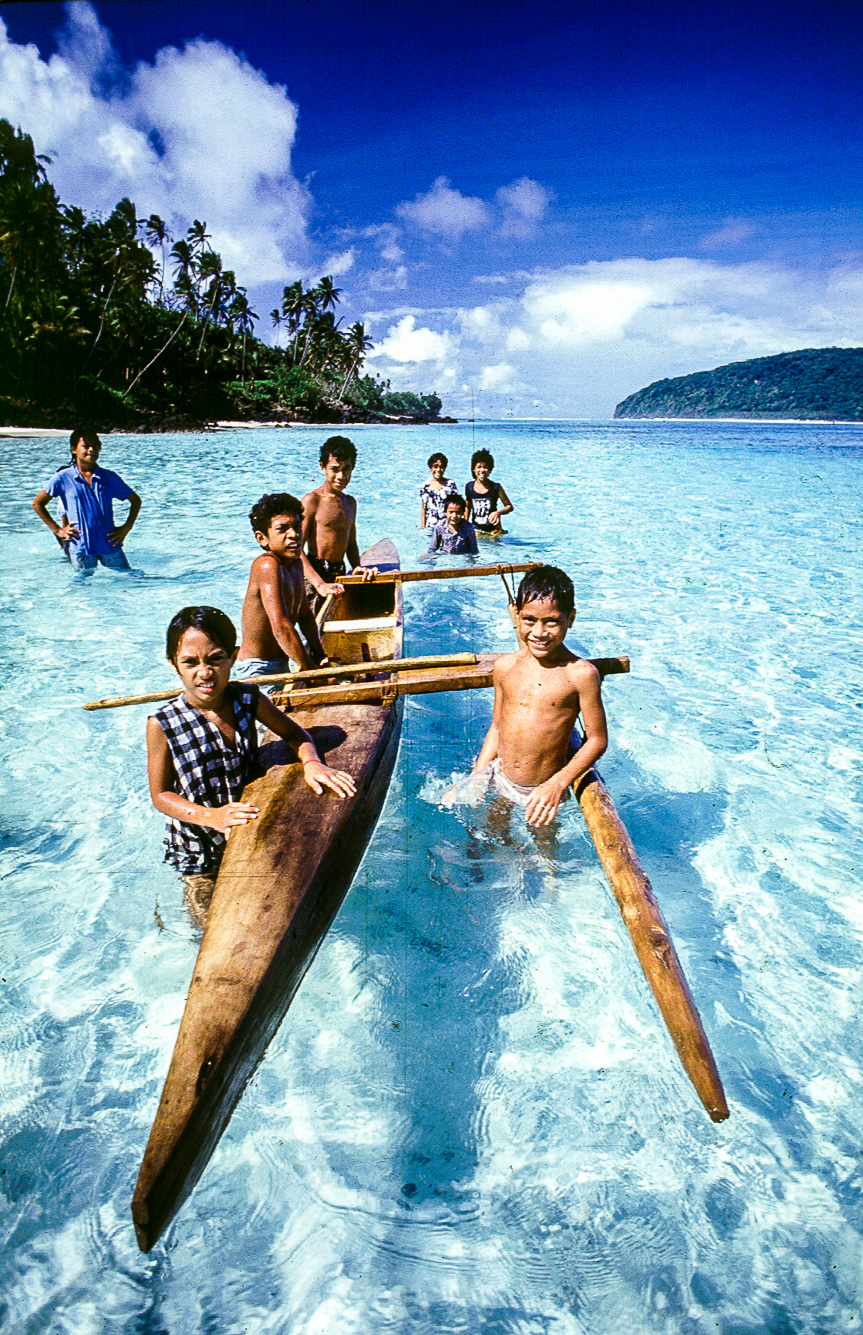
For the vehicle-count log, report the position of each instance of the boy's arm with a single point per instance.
(472, 548)
(543, 802)
(353, 552)
(61, 531)
(163, 778)
(118, 535)
(316, 774)
(272, 601)
(489, 748)
(311, 632)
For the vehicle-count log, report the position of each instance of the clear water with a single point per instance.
(472, 1119)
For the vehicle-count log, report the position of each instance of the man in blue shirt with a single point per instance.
(86, 493)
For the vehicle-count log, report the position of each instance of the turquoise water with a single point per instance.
(472, 1119)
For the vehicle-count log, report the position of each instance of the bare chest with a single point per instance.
(334, 513)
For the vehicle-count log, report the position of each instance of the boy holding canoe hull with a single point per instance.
(539, 693)
(275, 603)
(202, 749)
(330, 524)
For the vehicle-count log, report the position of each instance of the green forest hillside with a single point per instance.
(115, 322)
(824, 384)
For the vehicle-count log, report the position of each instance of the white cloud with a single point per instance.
(405, 343)
(731, 233)
(497, 377)
(524, 204)
(338, 264)
(198, 133)
(446, 212)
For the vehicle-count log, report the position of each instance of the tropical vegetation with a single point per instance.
(115, 321)
(816, 384)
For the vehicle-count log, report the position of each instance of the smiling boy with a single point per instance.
(538, 694)
(330, 524)
(275, 604)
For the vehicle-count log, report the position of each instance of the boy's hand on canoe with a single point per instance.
(233, 813)
(543, 802)
(367, 572)
(334, 590)
(319, 776)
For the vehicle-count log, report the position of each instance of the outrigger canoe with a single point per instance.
(285, 875)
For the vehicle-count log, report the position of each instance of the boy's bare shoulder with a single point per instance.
(582, 673)
(504, 663)
(310, 501)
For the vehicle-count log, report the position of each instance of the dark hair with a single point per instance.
(210, 620)
(88, 434)
(264, 511)
(547, 582)
(454, 499)
(481, 457)
(434, 458)
(341, 449)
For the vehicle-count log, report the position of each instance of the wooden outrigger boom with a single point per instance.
(651, 939)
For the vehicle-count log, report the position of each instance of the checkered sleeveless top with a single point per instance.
(209, 773)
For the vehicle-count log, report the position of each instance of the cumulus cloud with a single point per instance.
(497, 377)
(198, 133)
(405, 343)
(524, 204)
(446, 212)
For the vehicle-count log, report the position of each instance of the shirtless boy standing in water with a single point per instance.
(538, 694)
(330, 524)
(275, 603)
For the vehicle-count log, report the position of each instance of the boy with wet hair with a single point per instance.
(453, 535)
(275, 606)
(202, 749)
(487, 501)
(330, 524)
(539, 693)
(87, 532)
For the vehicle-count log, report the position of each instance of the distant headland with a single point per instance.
(813, 384)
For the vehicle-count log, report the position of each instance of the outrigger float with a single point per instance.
(284, 876)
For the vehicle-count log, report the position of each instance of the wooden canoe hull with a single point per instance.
(282, 881)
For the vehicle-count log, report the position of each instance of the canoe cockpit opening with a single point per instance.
(366, 600)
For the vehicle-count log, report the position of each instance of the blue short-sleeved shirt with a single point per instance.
(89, 507)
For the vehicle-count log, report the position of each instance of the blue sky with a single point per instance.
(540, 208)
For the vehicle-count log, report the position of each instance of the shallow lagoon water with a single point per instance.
(472, 1119)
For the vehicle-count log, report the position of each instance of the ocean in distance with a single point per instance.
(472, 1119)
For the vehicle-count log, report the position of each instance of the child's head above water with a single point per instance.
(340, 449)
(481, 457)
(214, 623)
(264, 511)
(546, 584)
(455, 507)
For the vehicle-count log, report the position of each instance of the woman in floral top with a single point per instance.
(434, 493)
